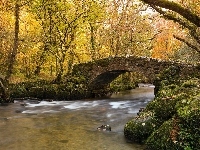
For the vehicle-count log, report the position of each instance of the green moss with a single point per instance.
(189, 113)
(177, 108)
(162, 139)
(139, 128)
(72, 88)
(190, 84)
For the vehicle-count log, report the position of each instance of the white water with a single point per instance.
(71, 125)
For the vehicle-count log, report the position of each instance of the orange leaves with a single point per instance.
(165, 45)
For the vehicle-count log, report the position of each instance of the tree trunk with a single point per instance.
(92, 41)
(3, 91)
(61, 69)
(185, 12)
(12, 56)
(41, 60)
(13, 52)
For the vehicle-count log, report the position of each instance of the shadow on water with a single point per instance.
(71, 125)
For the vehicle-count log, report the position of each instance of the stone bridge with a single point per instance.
(101, 72)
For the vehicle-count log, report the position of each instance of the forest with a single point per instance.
(43, 39)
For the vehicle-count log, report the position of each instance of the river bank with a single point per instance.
(171, 120)
(70, 88)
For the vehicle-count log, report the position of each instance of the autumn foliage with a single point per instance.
(55, 35)
(165, 45)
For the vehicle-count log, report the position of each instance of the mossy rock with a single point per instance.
(176, 111)
(184, 103)
(179, 133)
(171, 97)
(140, 127)
(189, 114)
(188, 105)
(164, 108)
(164, 138)
(191, 83)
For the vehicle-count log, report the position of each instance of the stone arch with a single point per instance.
(102, 80)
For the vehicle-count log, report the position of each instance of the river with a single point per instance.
(71, 125)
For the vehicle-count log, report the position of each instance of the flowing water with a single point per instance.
(71, 125)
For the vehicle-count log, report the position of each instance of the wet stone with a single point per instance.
(104, 128)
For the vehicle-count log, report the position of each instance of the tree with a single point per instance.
(6, 35)
(59, 22)
(96, 16)
(126, 30)
(10, 41)
(184, 15)
(165, 45)
(4, 82)
(13, 52)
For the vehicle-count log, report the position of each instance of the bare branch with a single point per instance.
(186, 13)
(191, 45)
(170, 16)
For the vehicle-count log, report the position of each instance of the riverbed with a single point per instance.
(71, 125)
